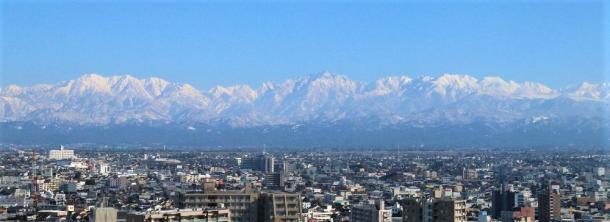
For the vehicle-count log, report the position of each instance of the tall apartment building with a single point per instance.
(599, 171)
(269, 164)
(261, 163)
(281, 207)
(521, 198)
(103, 169)
(470, 174)
(371, 212)
(549, 204)
(434, 210)
(61, 154)
(246, 205)
(412, 210)
(502, 201)
(449, 210)
(273, 181)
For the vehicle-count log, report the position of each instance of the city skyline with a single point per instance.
(305, 111)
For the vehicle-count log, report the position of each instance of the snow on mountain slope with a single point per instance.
(325, 97)
(589, 91)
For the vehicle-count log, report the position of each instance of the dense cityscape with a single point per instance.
(162, 184)
(305, 111)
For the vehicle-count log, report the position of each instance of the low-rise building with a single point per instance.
(202, 215)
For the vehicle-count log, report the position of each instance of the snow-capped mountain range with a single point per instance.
(322, 98)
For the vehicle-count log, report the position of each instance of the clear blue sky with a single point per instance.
(211, 43)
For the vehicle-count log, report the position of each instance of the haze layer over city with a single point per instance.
(325, 111)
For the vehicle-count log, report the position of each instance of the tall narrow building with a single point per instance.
(449, 210)
(549, 204)
(502, 201)
(412, 210)
(281, 207)
(269, 164)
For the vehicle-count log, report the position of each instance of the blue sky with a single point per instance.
(213, 43)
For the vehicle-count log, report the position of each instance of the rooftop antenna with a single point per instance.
(398, 148)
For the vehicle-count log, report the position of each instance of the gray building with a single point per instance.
(263, 163)
(104, 214)
(247, 205)
(371, 212)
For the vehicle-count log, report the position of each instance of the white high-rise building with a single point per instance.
(61, 154)
(104, 169)
(600, 171)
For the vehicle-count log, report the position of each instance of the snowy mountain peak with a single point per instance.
(388, 85)
(589, 91)
(155, 86)
(498, 86)
(323, 97)
(535, 90)
(237, 91)
(91, 77)
(452, 86)
(89, 83)
(11, 90)
(324, 74)
(456, 80)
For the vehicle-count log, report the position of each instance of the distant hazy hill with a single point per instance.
(318, 110)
